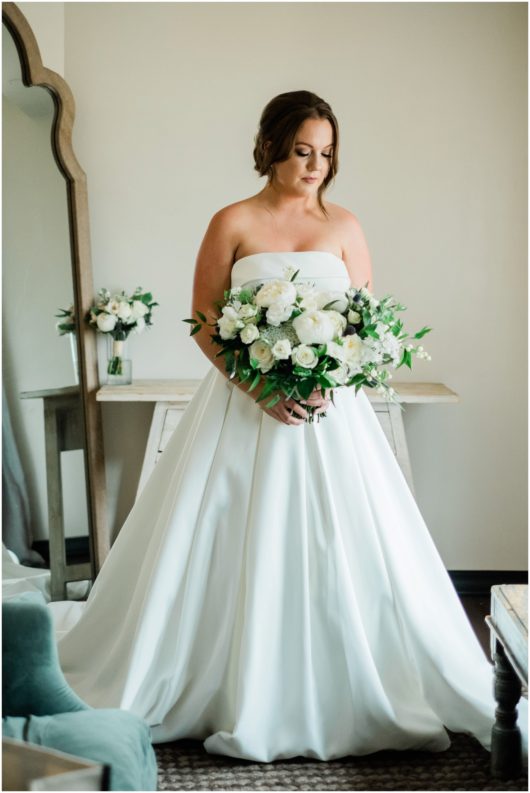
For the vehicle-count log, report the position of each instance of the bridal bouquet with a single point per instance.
(119, 315)
(299, 338)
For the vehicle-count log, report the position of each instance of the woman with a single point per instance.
(274, 591)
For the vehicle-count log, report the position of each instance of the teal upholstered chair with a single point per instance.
(38, 705)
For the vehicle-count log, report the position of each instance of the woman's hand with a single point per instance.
(290, 412)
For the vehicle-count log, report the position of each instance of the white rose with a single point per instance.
(247, 310)
(275, 291)
(353, 349)
(139, 309)
(340, 304)
(282, 349)
(228, 327)
(304, 356)
(353, 317)
(314, 327)
(124, 310)
(278, 313)
(106, 322)
(338, 320)
(262, 353)
(249, 333)
(230, 313)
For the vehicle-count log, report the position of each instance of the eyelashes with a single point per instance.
(306, 154)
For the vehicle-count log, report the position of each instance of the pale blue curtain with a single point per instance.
(16, 513)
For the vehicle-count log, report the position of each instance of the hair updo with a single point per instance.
(279, 123)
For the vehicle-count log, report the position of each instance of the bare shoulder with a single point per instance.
(354, 246)
(233, 214)
(347, 222)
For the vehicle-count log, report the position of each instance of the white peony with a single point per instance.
(262, 353)
(335, 350)
(304, 356)
(249, 333)
(307, 295)
(282, 349)
(353, 349)
(278, 313)
(106, 322)
(124, 310)
(314, 327)
(275, 291)
(113, 306)
(139, 326)
(139, 309)
(326, 296)
(338, 320)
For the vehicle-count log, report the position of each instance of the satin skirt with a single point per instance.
(275, 592)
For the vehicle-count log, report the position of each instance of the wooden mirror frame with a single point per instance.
(35, 74)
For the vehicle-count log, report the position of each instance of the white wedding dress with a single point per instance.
(275, 591)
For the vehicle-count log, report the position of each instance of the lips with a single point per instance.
(309, 178)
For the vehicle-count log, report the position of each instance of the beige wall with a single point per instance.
(432, 103)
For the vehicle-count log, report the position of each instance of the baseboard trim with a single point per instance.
(479, 582)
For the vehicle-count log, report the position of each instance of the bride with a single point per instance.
(274, 591)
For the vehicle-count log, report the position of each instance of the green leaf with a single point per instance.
(273, 401)
(268, 389)
(305, 387)
(294, 275)
(191, 321)
(201, 316)
(421, 333)
(255, 381)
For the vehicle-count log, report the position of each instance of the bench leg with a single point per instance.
(506, 746)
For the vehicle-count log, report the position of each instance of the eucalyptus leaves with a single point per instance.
(298, 338)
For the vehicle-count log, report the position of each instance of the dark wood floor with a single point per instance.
(476, 609)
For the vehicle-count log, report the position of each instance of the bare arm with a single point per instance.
(356, 254)
(212, 277)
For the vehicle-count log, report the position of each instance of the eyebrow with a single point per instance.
(308, 144)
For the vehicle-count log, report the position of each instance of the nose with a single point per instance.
(315, 162)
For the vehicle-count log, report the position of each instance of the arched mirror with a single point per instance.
(53, 479)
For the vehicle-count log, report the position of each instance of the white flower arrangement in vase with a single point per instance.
(66, 326)
(118, 316)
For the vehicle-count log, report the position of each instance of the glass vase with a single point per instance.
(73, 350)
(119, 366)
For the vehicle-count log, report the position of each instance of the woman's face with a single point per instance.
(310, 159)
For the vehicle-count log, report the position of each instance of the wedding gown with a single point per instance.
(274, 591)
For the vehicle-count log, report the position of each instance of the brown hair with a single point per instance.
(279, 123)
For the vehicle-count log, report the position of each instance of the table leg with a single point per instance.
(506, 746)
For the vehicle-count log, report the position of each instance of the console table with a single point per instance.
(63, 432)
(508, 624)
(172, 396)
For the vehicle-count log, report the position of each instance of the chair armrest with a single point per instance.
(32, 678)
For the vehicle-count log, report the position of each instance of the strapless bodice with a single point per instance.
(325, 269)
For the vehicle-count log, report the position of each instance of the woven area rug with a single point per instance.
(185, 765)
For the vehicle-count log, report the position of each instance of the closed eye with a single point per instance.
(307, 153)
